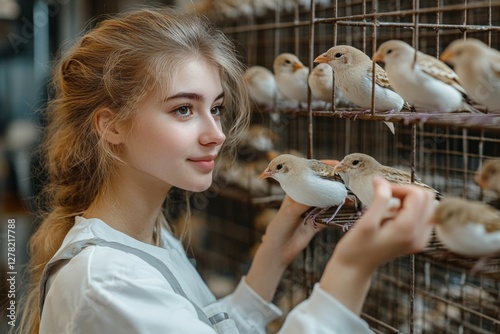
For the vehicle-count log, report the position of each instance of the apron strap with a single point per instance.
(76, 247)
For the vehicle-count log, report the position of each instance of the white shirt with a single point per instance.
(105, 290)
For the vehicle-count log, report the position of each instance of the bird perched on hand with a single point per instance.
(353, 75)
(321, 83)
(308, 181)
(478, 67)
(261, 85)
(291, 77)
(427, 84)
(488, 176)
(468, 228)
(358, 170)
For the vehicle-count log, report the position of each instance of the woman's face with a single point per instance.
(177, 134)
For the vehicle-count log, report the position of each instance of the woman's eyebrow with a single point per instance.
(190, 96)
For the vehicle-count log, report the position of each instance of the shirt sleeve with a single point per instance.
(321, 313)
(250, 312)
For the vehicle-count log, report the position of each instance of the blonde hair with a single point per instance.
(114, 66)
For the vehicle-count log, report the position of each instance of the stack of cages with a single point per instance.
(431, 292)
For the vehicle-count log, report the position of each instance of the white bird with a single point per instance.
(291, 77)
(321, 83)
(261, 85)
(353, 75)
(478, 67)
(488, 176)
(308, 181)
(468, 228)
(358, 170)
(427, 84)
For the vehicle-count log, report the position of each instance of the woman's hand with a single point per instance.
(287, 234)
(376, 239)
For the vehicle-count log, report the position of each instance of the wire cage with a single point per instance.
(431, 292)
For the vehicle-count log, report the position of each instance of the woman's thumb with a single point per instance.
(382, 190)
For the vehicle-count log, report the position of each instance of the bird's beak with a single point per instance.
(339, 168)
(297, 66)
(377, 57)
(265, 174)
(445, 56)
(322, 58)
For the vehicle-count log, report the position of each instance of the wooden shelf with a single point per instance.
(489, 121)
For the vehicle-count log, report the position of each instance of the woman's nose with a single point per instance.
(212, 133)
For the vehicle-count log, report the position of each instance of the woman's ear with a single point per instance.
(107, 128)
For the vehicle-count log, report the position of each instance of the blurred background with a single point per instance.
(32, 32)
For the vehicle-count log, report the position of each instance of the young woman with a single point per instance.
(143, 103)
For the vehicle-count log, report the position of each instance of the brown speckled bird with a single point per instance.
(468, 228)
(478, 67)
(353, 76)
(358, 170)
(427, 83)
(488, 176)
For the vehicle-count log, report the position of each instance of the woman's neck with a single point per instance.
(130, 207)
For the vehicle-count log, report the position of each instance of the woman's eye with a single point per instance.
(183, 111)
(217, 111)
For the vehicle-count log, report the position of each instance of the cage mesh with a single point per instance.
(431, 292)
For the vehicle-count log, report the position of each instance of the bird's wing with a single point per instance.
(325, 171)
(395, 175)
(492, 224)
(495, 65)
(401, 177)
(439, 71)
(382, 80)
(380, 76)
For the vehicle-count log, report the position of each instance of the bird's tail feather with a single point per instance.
(390, 125)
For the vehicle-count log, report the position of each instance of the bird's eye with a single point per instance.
(338, 55)
(389, 51)
(287, 61)
(279, 166)
(355, 162)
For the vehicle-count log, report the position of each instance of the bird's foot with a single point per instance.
(421, 118)
(360, 212)
(311, 215)
(479, 265)
(347, 226)
(334, 214)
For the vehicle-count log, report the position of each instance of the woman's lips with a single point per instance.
(205, 164)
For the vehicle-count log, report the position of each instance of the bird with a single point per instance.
(426, 83)
(291, 77)
(488, 176)
(309, 182)
(261, 85)
(353, 76)
(469, 228)
(321, 83)
(478, 67)
(358, 170)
